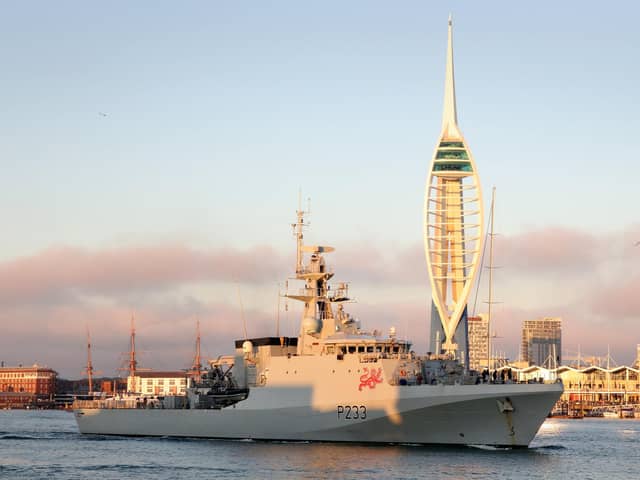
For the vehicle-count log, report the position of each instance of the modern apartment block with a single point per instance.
(542, 342)
(478, 342)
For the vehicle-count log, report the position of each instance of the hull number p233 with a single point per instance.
(351, 412)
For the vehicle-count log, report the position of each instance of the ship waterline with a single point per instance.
(428, 414)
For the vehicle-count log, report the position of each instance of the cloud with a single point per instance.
(380, 264)
(165, 333)
(591, 281)
(552, 248)
(620, 299)
(581, 330)
(58, 275)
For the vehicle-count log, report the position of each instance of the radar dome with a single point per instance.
(247, 347)
(311, 325)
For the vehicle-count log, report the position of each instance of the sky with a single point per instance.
(152, 154)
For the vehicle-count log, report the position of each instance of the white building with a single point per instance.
(159, 383)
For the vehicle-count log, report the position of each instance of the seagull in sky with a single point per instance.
(637, 244)
(102, 114)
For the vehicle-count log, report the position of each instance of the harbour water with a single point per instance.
(47, 445)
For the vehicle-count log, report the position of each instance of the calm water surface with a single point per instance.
(47, 445)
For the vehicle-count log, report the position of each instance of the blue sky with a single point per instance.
(217, 113)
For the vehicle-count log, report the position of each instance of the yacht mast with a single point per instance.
(490, 302)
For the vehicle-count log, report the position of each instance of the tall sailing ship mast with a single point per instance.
(89, 368)
(133, 364)
(196, 366)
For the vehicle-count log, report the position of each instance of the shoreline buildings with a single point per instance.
(590, 386)
(26, 386)
(453, 228)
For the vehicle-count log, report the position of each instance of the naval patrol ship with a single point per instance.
(334, 382)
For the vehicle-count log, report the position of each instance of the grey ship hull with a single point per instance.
(438, 414)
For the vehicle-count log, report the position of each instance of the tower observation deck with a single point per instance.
(453, 227)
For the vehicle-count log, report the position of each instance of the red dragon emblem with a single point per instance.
(370, 379)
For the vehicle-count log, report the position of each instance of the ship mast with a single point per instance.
(196, 368)
(89, 367)
(297, 231)
(318, 319)
(133, 364)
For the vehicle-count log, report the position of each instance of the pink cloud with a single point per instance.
(56, 335)
(47, 299)
(57, 274)
(552, 248)
(618, 300)
(381, 265)
(580, 330)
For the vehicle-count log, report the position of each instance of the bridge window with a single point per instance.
(451, 145)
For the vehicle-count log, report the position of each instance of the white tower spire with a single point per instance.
(449, 114)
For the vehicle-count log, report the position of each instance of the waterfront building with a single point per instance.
(26, 386)
(158, 383)
(542, 342)
(592, 385)
(113, 385)
(453, 227)
(478, 342)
